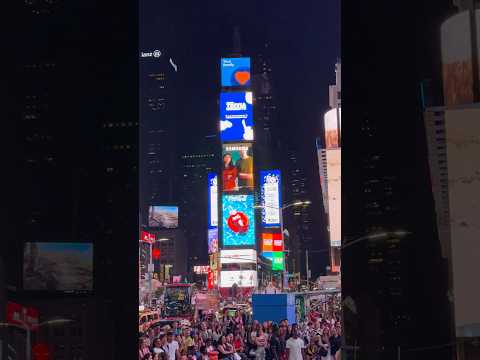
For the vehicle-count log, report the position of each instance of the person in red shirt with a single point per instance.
(230, 173)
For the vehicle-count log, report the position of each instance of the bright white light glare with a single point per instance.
(249, 97)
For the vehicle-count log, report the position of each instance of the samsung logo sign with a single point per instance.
(155, 54)
(233, 106)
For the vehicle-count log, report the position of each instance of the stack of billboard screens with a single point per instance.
(238, 220)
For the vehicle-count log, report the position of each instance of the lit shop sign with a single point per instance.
(212, 240)
(212, 200)
(245, 278)
(147, 237)
(19, 315)
(238, 256)
(235, 72)
(150, 54)
(271, 197)
(201, 269)
(236, 116)
(238, 220)
(214, 262)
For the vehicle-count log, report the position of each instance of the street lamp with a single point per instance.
(24, 326)
(281, 210)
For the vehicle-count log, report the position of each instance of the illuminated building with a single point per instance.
(329, 159)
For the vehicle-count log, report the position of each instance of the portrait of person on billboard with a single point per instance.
(230, 173)
(237, 169)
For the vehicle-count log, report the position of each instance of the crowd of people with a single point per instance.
(237, 338)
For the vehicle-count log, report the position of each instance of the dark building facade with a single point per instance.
(195, 162)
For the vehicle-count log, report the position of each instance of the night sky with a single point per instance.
(305, 43)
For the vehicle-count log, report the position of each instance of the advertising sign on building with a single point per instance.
(271, 197)
(272, 242)
(238, 220)
(243, 278)
(23, 316)
(201, 269)
(235, 72)
(212, 200)
(237, 170)
(165, 217)
(238, 256)
(147, 237)
(212, 240)
(236, 116)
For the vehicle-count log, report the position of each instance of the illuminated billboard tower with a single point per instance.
(329, 158)
(236, 223)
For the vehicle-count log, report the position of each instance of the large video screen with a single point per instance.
(165, 217)
(212, 241)
(212, 200)
(238, 220)
(237, 167)
(236, 116)
(243, 278)
(271, 199)
(58, 266)
(235, 72)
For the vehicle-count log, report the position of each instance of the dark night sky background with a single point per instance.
(305, 43)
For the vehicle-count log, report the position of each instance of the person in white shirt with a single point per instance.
(295, 346)
(172, 347)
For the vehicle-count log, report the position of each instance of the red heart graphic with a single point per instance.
(242, 77)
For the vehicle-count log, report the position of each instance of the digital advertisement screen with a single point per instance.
(334, 192)
(272, 242)
(212, 241)
(277, 260)
(237, 167)
(243, 278)
(58, 266)
(212, 200)
(238, 256)
(236, 116)
(235, 71)
(238, 220)
(165, 217)
(271, 197)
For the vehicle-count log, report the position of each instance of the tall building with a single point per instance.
(329, 160)
(266, 113)
(450, 133)
(297, 220)
(195, 162)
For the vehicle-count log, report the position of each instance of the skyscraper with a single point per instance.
(329, 160)
(195, 162)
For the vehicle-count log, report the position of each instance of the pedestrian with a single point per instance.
(143, 348)
(172, 347)
(275, 349)
(295, 346)
(261, 342)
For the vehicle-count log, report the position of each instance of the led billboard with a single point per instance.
(236, 116)
(237, 168)
(243, 278)
(272, 242)
(235, 72)
(165, 217)
(277, 261)
(334, 191)
(463, 147)
(238, 220)
(238, 256)
(58, 266)
(332, 129)
(212, 240)
(271, 197)
(212, 200)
